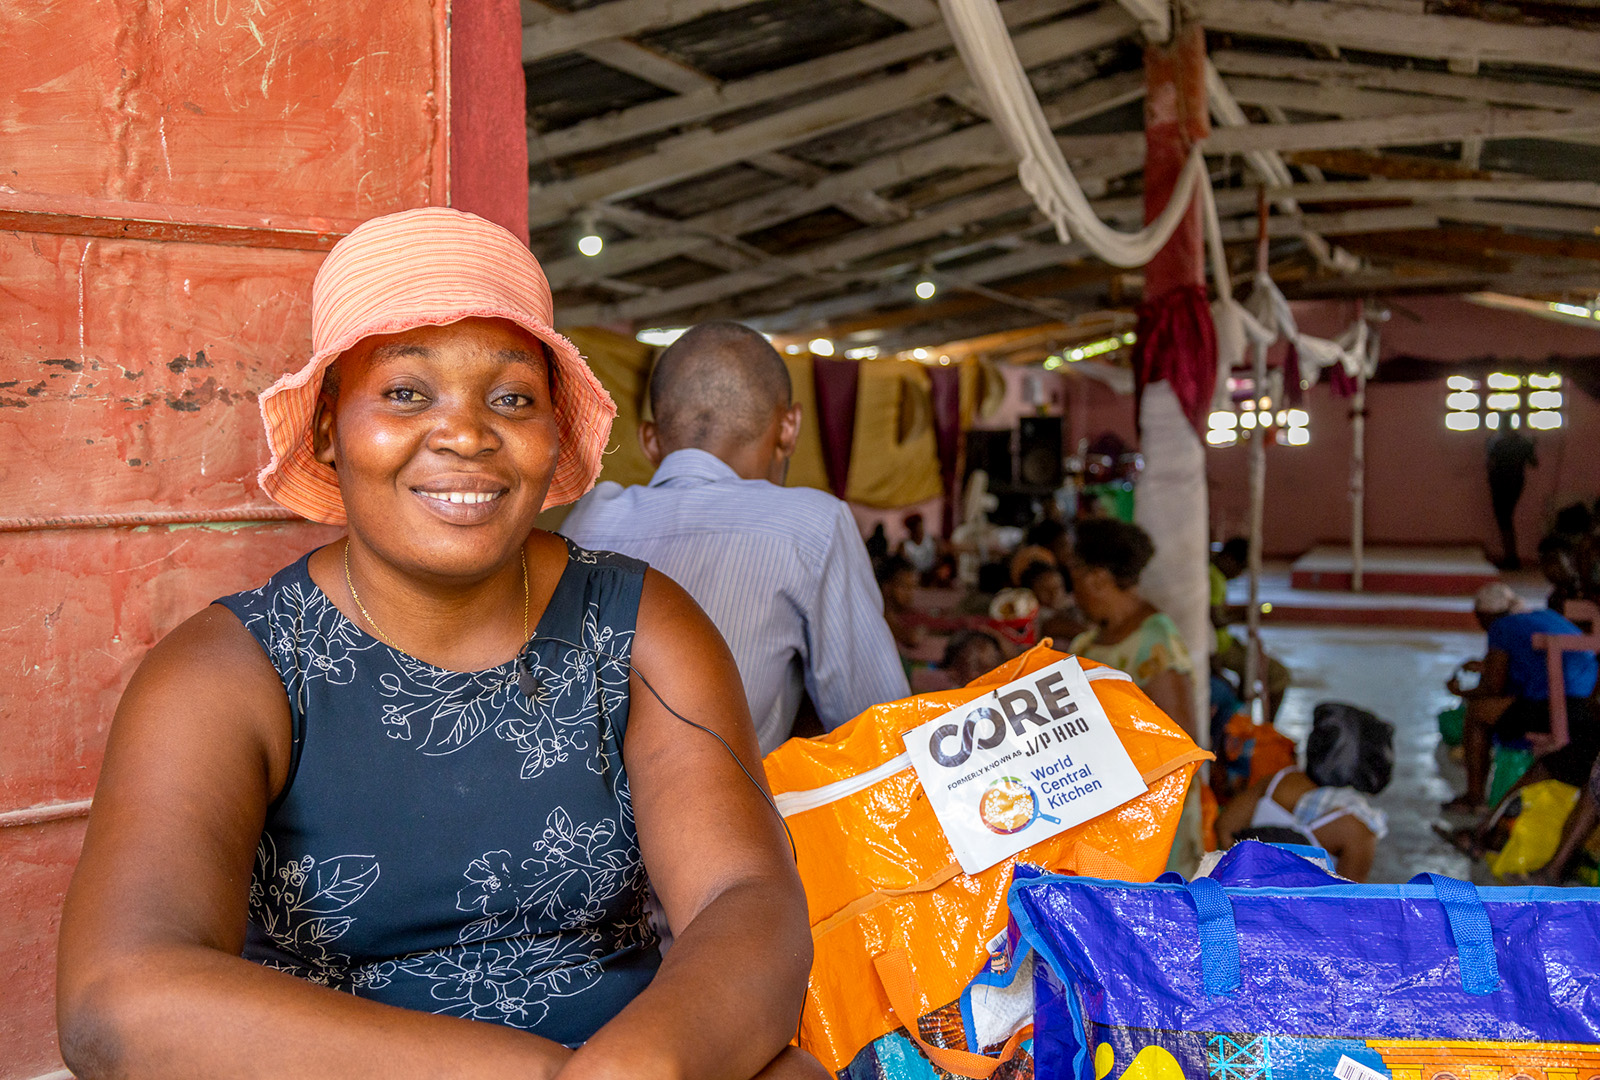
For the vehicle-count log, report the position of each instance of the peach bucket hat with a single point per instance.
(426, 267)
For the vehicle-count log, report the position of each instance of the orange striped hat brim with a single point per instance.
(426, 267)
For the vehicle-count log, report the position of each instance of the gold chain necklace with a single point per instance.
(349, 583)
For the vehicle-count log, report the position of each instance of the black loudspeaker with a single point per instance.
(1041, 452)
(991, 452)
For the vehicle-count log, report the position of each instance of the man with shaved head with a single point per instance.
(782, 572)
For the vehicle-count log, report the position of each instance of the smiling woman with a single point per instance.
(394, 812)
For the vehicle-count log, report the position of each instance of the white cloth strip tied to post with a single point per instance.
(1266, 318)
(985, 46)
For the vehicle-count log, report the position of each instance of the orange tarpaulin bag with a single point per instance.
(899, 931)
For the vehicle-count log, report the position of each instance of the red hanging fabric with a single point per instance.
(947, 429)
(835, 382)
(1341, 382)
(1178, 344)
(1293, 392)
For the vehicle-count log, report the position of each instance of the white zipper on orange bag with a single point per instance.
(797, 802)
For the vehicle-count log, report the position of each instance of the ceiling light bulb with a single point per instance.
(926, 289)
(821, 347)
(590, 245)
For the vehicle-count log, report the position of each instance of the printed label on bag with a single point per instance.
(1021, 764)
(1351, 1069)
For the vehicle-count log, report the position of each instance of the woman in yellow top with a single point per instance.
(1128, 632)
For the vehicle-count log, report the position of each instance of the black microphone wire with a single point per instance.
(522, 664)
(794, 852)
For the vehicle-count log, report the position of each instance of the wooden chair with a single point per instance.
(1556, 647)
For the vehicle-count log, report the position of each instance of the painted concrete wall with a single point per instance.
(1425, 485)
(173, 175)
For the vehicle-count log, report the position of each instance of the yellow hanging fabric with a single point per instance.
(807, 468)
(623, 367)
(895, 458)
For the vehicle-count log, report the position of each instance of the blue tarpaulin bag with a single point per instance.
(1235, 977)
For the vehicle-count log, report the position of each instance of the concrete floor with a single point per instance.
(1399, 674)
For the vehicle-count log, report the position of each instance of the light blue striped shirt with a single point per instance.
(782, 572)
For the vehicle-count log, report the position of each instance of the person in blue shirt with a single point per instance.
(782, 572)
(1511, 702)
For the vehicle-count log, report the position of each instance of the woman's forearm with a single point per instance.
(187, 1010)
(725, 1002)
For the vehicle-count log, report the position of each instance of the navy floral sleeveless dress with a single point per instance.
(445, 842)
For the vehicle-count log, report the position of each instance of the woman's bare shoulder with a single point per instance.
(209, 678)
(210, 644)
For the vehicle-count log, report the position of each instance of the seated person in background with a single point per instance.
(1558, 562)
(1128, 632)
(1326, 803)
(1583, 820)
(1573, 521)
(918, 548)
(877, 544)
(970, 654)
(781, 572)
(1246, 751)
(1058, 616)
(898, 583)
(1046, 542)
(1230, 653)
(394, 812)
(1511, 702)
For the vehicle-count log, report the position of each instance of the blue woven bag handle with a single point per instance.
(1469, 928)
(1219, 937)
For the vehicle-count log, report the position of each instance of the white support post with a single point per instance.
(1358, 481)
(1258, 495)
(1258, 498)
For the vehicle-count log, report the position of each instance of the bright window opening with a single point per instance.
(1515, 401)
(1289, 427)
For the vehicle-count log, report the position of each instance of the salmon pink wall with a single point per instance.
(175, 172)
(1425, 484)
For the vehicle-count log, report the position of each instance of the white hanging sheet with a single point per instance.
(985, 46)
(1266, 318)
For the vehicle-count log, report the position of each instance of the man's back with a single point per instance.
(781, 572)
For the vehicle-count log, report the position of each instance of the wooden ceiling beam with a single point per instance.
(619, 19)
(1348, 102)
(913, 13)
(1569, 192)
(680, 157)
(650, 66)
(1389, 166)
(978, 146)
(697, 106)
(1479, 88)
(956, 214)
(1024, 260)
(1407, 130)
(1487, 240)
(1434, 37)
(1556, 219)
(626, 56)
(1154, 18)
